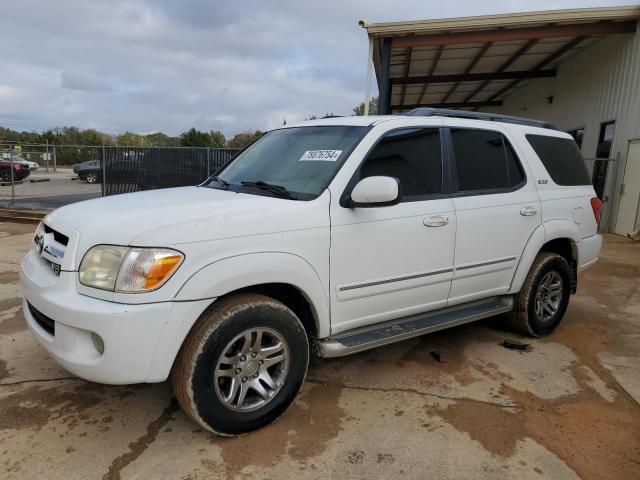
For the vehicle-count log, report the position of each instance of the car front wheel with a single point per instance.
(242, 365)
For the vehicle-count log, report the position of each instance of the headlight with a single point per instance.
(128, 270)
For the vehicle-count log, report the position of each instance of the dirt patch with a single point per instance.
(597, 438)
(140, 445)
(9, 277)
(34, 407)
(303, 432)
(8, 229)
(4, 372)
(450, 345)
(10, 303)
(13, 324)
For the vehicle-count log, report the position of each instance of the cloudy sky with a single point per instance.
(168, 65)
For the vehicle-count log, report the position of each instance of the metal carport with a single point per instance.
(474, 62)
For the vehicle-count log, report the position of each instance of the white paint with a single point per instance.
(375, 190)
(356, 266)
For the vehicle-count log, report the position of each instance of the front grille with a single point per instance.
(59, 237)
(47, 324)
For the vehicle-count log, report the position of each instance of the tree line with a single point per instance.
(191, 138)
(92, 137)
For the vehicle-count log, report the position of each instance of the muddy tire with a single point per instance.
(242, 364)
(544, 297)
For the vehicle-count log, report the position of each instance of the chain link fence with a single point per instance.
(128, 169)
(49, 176)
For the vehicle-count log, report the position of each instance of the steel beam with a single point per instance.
(510, 34)
(474, 77)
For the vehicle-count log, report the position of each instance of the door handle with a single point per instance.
(436, 221)
(528, 211)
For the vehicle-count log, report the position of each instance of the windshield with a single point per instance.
(302, 160)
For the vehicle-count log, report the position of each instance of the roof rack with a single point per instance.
(492, 117)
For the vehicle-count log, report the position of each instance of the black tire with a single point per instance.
(526, 318)
(5, 175)
(192, 375)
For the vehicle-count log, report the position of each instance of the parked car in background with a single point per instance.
(90, 172)
(20, 171)
(117, 170)
(328, 237)
(32, 166)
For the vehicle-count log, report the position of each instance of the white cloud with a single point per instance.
(167, 66)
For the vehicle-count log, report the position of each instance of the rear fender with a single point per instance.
(544, 233)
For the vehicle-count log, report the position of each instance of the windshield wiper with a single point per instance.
(222, 182)
(277, 189)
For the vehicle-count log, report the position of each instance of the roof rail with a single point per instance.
(492, 117)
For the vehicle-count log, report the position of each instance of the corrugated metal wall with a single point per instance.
(600, 84)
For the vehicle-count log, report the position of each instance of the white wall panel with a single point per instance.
(599, 84)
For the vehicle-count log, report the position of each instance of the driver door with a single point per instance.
(392, 261)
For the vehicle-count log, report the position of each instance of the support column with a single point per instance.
(384, 85)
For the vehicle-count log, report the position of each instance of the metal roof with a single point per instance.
(474, 62)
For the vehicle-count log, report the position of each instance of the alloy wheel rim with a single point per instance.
(252, 369)
(91, 178)
(549, 296)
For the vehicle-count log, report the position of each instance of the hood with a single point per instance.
(175, 216)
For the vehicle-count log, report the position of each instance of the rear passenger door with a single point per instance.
(497, 209)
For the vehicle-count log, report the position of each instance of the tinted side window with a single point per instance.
(484, 160)
(562, 159)
(413, 156)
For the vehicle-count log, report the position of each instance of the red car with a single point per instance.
(20, 171)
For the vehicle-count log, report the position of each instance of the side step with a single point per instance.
(364, 338)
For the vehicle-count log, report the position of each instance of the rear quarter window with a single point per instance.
(562, 159)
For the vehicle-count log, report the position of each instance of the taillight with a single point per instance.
(596, 206)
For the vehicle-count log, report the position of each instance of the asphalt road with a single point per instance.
(57, 189)
(567, 408)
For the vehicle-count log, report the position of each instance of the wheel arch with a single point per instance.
(557, 236)
(286, 277)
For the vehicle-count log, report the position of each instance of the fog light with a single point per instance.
(98, 344)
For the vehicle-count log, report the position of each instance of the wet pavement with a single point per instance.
(566, 408)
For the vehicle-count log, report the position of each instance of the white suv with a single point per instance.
(333, 237)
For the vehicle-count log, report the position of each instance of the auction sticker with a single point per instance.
(320, 155)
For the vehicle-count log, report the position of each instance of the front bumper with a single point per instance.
(139, 341)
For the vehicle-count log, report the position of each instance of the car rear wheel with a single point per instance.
(544, 297)
(5, 175)
(242, 365)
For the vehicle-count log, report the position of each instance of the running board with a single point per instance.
(364, 338)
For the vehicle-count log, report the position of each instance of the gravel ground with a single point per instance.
(567, 408)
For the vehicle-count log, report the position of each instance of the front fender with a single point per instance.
(240, 271)
(544, 233)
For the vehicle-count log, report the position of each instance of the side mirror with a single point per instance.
(375, 192)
